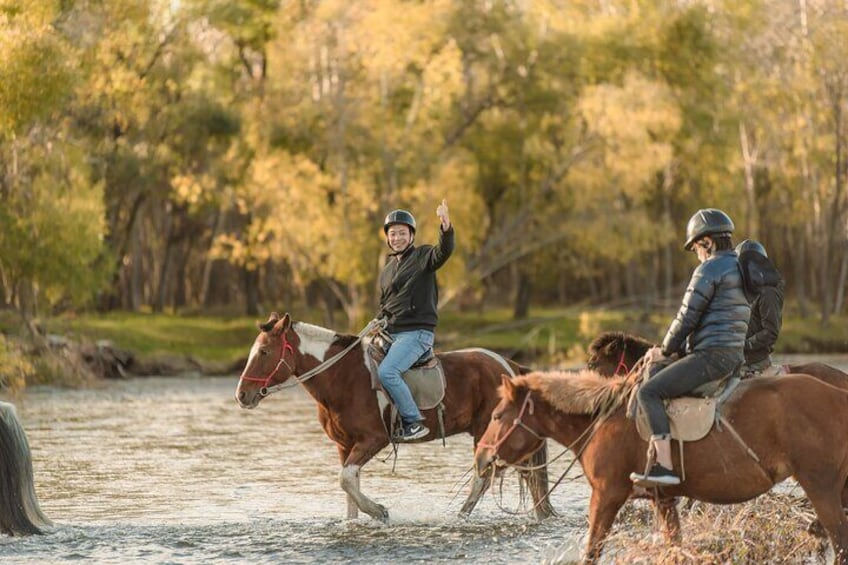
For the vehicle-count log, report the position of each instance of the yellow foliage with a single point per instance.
(635, 123)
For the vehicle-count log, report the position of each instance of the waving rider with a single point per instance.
(408, 301)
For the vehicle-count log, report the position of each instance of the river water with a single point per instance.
(171, 470)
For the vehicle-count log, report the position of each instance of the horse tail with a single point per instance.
(20, 513)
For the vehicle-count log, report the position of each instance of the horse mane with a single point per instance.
(323, 335)
(605, 339)
(621, 340)
(583, 392)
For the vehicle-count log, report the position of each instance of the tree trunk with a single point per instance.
(163, 286)
(749, 160)
(843, 275)
(799, 268)
(251, 291)
(523, 291)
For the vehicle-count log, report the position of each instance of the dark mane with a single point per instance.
(622, 341)
(605, 339)
(343, 340)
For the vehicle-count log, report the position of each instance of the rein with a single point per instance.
(323, 366)
(584, 437)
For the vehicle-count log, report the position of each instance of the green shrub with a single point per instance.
(15, 367)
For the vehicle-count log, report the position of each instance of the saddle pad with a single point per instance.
(690, 418)
(427, 383)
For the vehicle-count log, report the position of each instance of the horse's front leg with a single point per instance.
(479, 486)
(669, 519)
(349, 480)
(537, 483)
(603, 508)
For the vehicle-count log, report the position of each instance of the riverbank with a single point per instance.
(87, 347)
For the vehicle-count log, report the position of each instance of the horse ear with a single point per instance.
(272, 319)
(507, 386)
(282, 325)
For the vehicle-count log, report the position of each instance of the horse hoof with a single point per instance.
(815, 529)
(382, 514)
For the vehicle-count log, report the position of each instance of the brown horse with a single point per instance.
(795, 424)
(615, 353)
(334, 371)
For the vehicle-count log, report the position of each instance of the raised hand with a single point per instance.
(442, 213)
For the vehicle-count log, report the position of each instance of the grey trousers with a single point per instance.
(682, 376)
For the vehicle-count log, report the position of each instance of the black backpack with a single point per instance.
(757, 272)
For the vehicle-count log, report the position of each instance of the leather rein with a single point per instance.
(268, 389)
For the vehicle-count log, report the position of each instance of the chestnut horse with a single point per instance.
(795, 424)
(333, 370)
(615, 353)
(20, 513)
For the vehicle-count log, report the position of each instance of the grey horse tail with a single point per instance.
(20, 513)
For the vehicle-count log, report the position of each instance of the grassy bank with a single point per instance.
(548, 337)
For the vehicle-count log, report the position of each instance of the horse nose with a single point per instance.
(240, 396)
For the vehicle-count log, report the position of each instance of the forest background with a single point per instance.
(224, 157)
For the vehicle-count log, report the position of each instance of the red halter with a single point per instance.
(621, 364)
(285, 345)
(527, 404)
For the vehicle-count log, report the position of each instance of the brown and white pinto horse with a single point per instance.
(796, 425)
(348, 408)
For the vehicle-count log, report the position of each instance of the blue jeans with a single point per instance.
(406, 349)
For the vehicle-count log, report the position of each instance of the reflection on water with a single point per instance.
(171, 470)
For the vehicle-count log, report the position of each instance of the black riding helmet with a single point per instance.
(399, 217)
(751, 245)
(709, 221)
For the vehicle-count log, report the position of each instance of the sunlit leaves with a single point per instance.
(35, 70)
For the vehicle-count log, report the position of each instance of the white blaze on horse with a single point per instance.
(336, 371)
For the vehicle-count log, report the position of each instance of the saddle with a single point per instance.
(690, 417)
(425, 379)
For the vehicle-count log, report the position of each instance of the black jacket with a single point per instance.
(409, 292)
(765, 287)
(715, 312)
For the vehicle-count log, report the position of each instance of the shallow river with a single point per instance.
(173, 471)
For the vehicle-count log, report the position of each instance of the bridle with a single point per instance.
(268, 389)
(266, 380)
(621, 364)
(527, 406)
(621, 368)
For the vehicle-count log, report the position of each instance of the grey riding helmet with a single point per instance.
(709, 221)
(399, 217)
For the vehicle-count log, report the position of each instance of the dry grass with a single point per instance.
(769, 529)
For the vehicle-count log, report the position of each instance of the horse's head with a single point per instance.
(510, 437)
(614, 353)
(272, 360)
